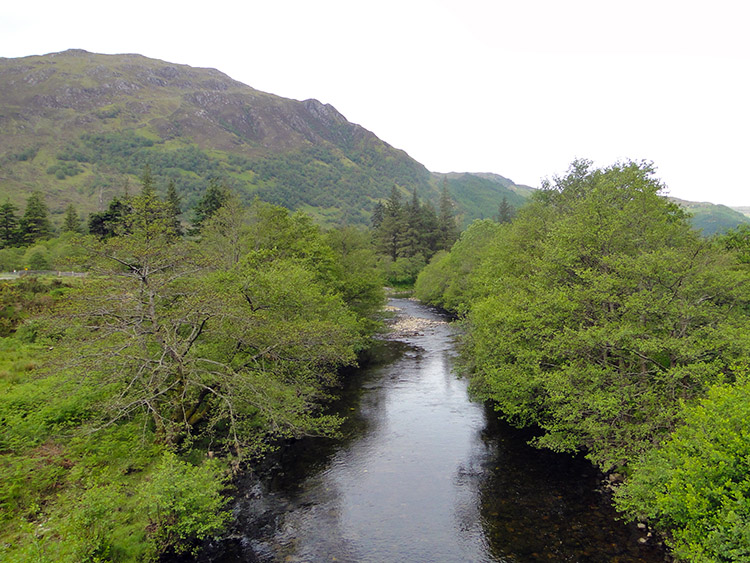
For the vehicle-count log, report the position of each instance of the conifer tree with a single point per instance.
(174, 207)
(215, 197)
(429, 224)
(412, 243)
(147, 183)
(113, 221)
(377, 215)
(149, 213)
(8, 225)
(505, 211)
(448, 231)
(35, 224)
(390, 235)
(71, 222)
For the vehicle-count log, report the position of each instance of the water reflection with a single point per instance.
(425, 475)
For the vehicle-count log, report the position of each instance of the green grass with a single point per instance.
(70, 492)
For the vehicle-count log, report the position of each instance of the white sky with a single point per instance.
(519, 88)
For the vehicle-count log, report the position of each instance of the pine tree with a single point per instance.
(147, 182)
(71, 222)
(505, 212)
(390, 234)
(35, 224)
(113, 221)
(215, 197)
(430, 233)
(8, 225)
(448, 231)
(174, 207)
(378, 213)
(412, 243)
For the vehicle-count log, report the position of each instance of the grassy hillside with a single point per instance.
(480, 194)
(712, 219)
(80, 127)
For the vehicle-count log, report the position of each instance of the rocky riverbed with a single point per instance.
(405, 326)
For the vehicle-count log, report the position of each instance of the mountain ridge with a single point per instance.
(80, 127)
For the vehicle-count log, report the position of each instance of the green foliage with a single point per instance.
(174, 207)
(357, 276)
(737, 241)
(89, 530)
(613, 327)
(110, 222)
(402, 272)
(697, 484)
(407, 235)
(184, 503)
(505, 211)
(447, 231)
(127, 152)
(118, 149)
(35, 224)
(234, 350)
(344, 179)
(71, 221)
(26, 297)
(596, 315)
(65, 169)
(446, 281)
(50, 254)
(11, 259)
(478, 197)
(26, 154)
(37, 258)
(9, 234)
(215, 197)
(595, 312)
(166, 348)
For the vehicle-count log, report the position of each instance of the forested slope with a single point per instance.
(80, 127)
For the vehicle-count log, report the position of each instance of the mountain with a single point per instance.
(481, 193)
(711, 218)
(80, 127)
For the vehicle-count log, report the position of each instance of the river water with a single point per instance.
(425, 475)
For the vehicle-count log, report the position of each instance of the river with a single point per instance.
(423, 474)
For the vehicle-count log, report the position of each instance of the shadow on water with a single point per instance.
(423, 474)
(538, 505)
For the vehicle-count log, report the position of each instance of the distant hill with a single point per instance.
(481, 193)
(81, 127)
(711, 218)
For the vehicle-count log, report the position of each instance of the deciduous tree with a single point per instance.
(601, 311)
(236, 352)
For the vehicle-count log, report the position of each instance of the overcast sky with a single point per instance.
(519, 88)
